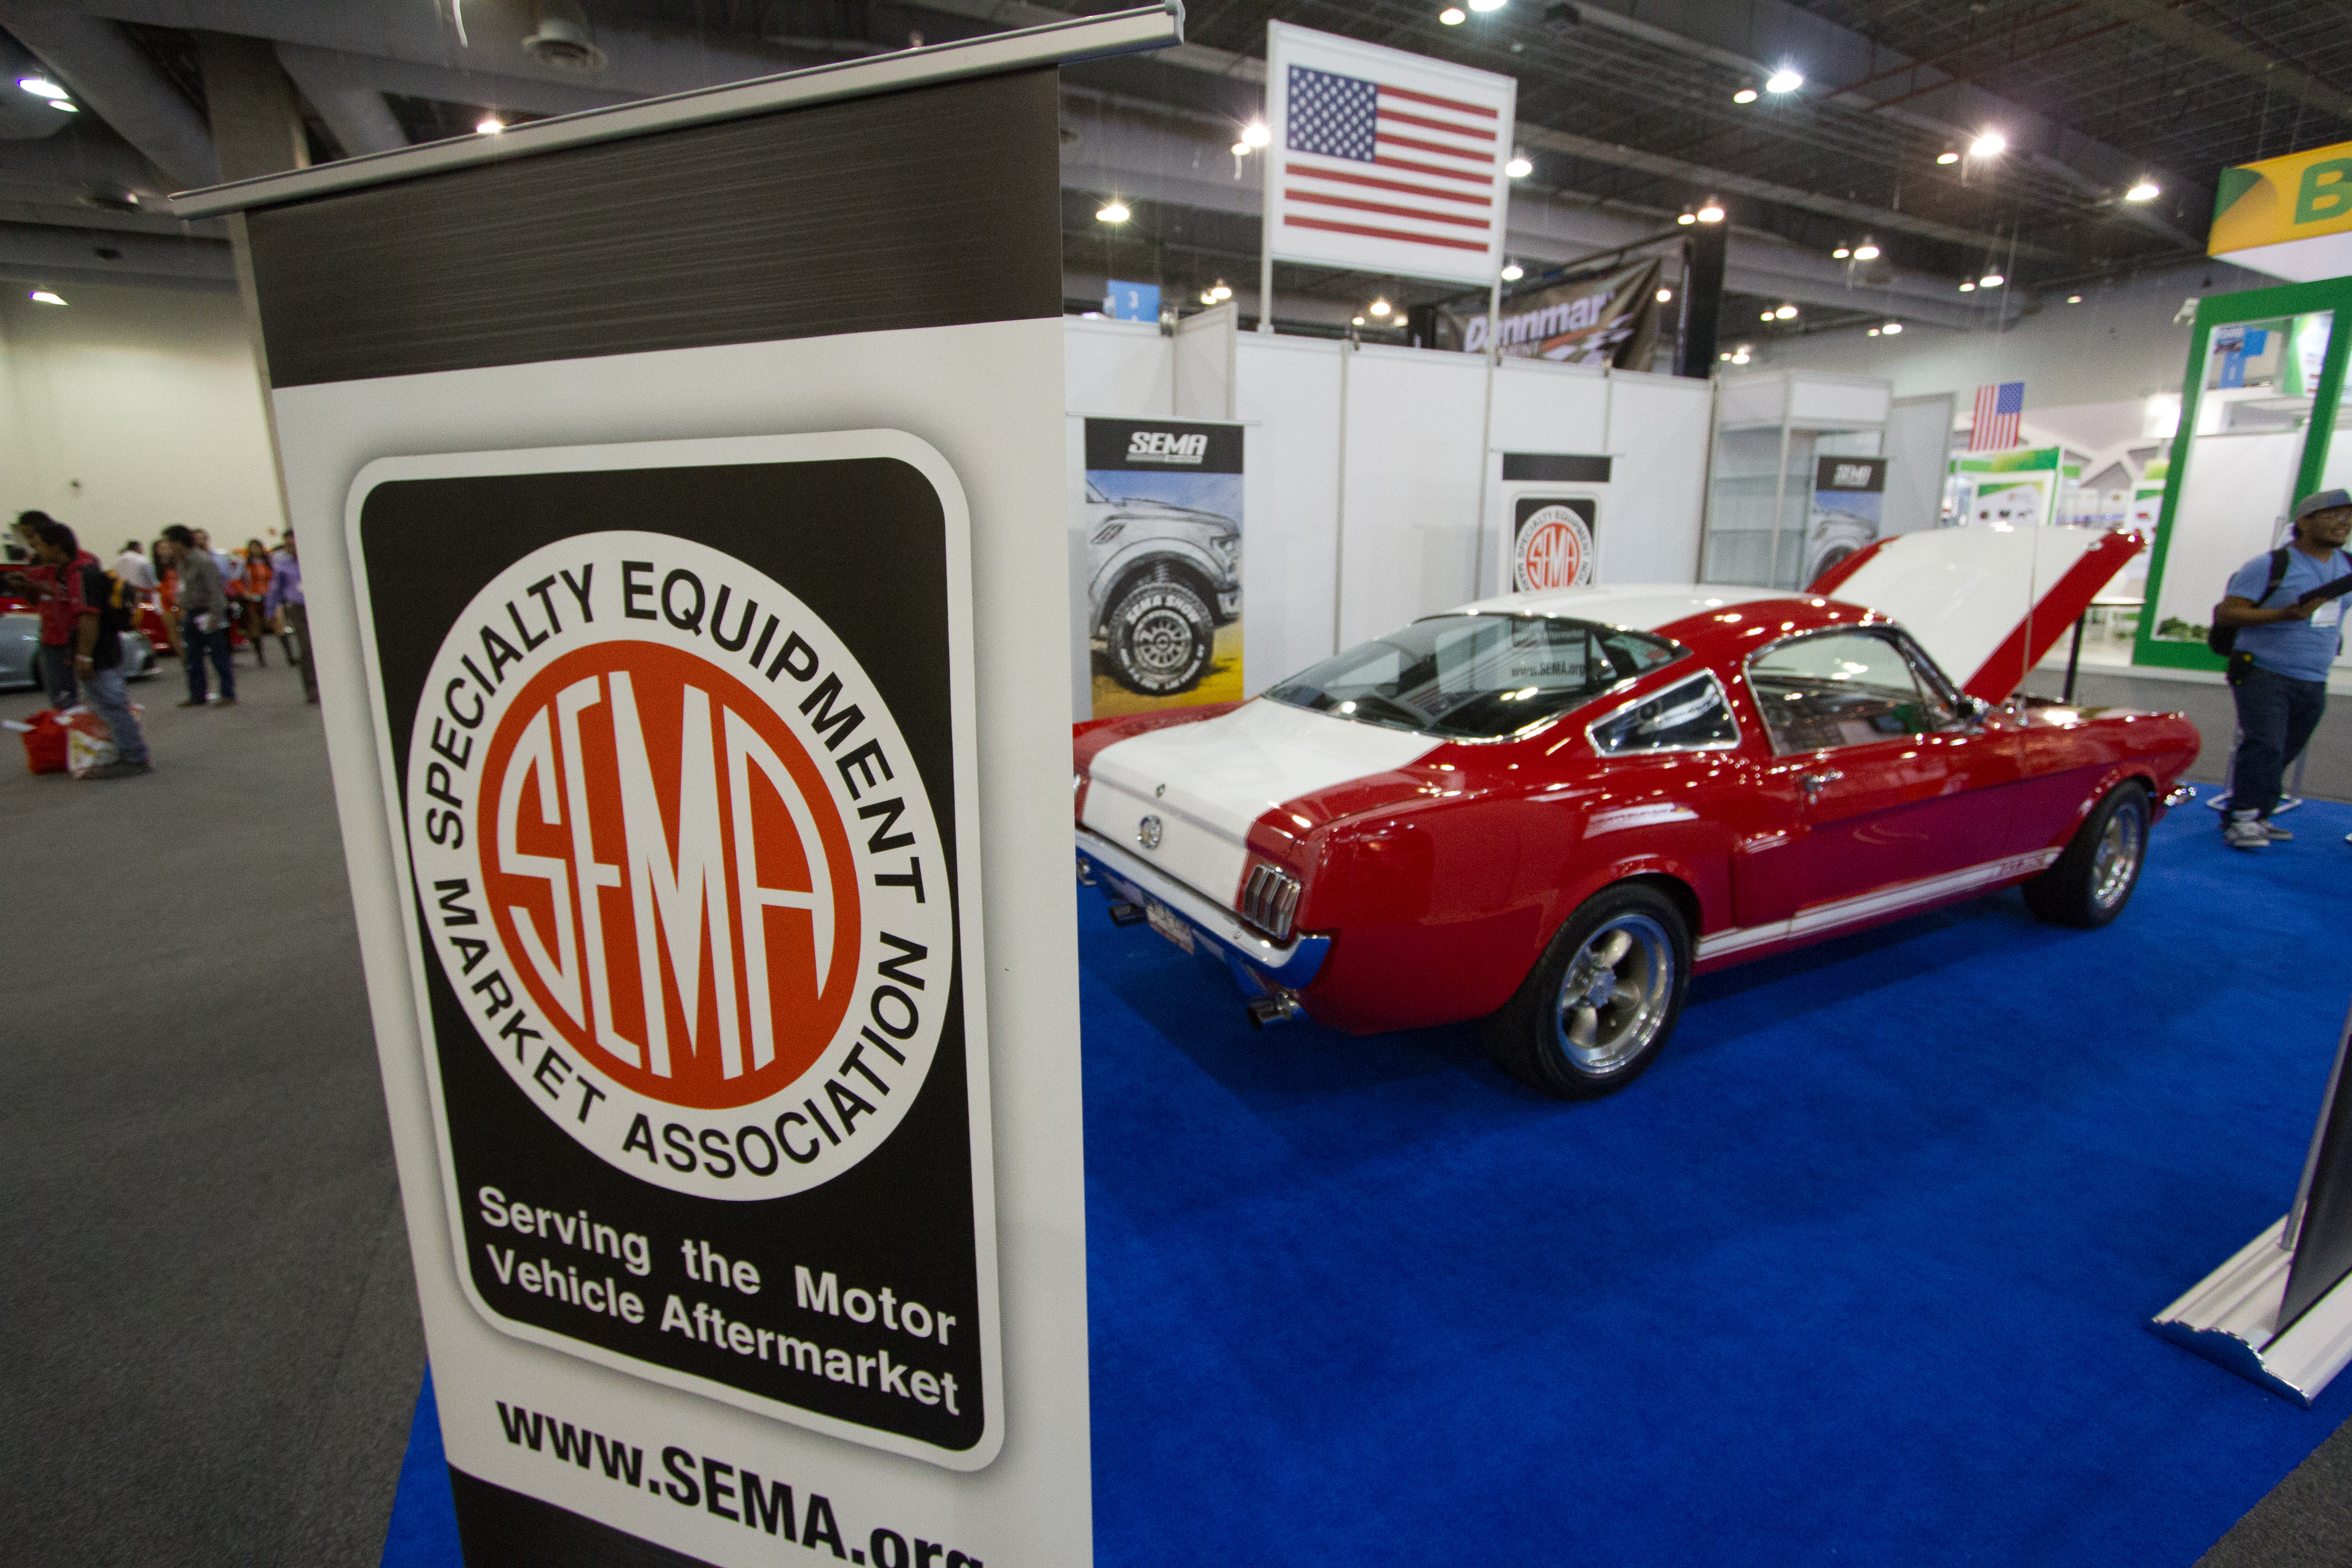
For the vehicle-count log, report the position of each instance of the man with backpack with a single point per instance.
(104, 608)
(2281, 633)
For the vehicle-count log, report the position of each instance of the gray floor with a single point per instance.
(2327, 772)
(206, 1313)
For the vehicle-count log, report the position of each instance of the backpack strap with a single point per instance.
(2278, 572)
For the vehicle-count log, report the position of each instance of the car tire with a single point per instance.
(2089, 884)
(1159, 634)
(1597, 1008)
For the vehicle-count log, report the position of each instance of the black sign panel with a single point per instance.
(673, 740)
(1867, 475)
(1164, 445)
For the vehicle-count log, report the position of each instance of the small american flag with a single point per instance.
(1998, 408)
(1385, 161)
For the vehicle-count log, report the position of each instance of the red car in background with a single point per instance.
(1550, 810)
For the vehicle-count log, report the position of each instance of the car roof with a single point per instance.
(1637, 606)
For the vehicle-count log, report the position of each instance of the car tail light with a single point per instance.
(1269, 900)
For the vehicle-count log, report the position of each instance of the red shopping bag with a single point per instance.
(45, 742)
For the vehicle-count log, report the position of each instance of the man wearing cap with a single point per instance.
(2293, 646)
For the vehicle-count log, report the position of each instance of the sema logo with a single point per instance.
(1167, 446)
(1851, 477)
(679, 867)
(1554, 550)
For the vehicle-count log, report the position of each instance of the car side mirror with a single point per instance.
(1974, 711)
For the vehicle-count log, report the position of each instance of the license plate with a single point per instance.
(1166, 923)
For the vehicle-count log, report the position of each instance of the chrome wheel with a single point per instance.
(2115, 863)
(1617, 993)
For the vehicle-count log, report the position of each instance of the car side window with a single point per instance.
(1691, 715)
(1844, 688)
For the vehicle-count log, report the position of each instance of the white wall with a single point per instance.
(1390, 438)
(131, 409)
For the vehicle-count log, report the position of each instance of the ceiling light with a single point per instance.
(2146, 191)
(1243, 149)
(1765, 317)
(1866, 251)
(1665, 295)
(1710, 214)
(1360, 321)
(43, 297)
(1745, 95)
(1786, 79)
(1992, 280)
(1948, 157)
(1787, 312)
(1967, 287)
(1892, 328)
(1111, 212)
(1380, 307)
(1256, 135)
(1991, 144)
(2074, 299)
(67, 104)
(1513, 272)
(490, 125)
(1222, 291)
(1725, 354)
(1520, 167)
(1453, 15)
(1872, 333)
(1685, 218)
(1840, 253)
(40, 87)
(1208, 297)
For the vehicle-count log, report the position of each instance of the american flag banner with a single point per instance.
(1998, 408)
(1383, 161)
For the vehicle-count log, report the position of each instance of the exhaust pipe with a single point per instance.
(1277, 1006)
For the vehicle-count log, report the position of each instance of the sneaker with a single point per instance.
(120, 770)
(2246, 832)
(2278, 835)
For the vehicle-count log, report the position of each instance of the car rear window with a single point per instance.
(1474, 676)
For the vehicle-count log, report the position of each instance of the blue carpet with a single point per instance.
(1858, 1272)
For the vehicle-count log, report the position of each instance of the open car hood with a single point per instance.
(1986, 603)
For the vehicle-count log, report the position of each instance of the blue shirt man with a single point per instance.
(2292, 642)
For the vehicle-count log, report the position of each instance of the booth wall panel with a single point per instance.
(1122, 368)
(1658, 432)
(2233, 503)
(1545, 407)
(617, 247)
(1287, 391)
(1414, 420)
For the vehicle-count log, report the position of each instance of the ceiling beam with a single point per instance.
(107, 73)
(2195, 36)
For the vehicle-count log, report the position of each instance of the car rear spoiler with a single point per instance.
(1986, 601)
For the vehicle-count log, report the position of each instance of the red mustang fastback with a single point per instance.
(1550, 810)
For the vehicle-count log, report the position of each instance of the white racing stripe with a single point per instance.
(1870, 906)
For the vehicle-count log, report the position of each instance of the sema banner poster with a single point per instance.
(1163, 525)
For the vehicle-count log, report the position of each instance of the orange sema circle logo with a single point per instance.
(663, 860)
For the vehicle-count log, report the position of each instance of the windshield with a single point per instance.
(1477, 677)
(1094, 494)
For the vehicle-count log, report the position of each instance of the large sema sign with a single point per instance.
(2289, 216)
(693, 941)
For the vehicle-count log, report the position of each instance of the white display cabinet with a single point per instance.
(1770, 430)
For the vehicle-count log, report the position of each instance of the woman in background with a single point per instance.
(253, 583)
(167, 593)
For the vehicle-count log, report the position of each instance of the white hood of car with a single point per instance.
(1207, 783)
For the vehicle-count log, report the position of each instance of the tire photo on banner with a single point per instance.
(693, 941)
(1552, 542)
(1162, 524)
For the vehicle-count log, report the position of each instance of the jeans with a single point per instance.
(58, 677)
(195, 648)
(110, 698)
(2276, 714)
(298, 625)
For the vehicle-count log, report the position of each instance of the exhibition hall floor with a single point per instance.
(1858, 1272)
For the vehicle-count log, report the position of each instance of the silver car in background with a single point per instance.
(20, 652)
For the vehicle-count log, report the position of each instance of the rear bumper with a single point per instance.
(1292, 965)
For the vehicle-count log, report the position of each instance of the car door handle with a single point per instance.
(1813, 784)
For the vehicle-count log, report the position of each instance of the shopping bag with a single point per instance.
(89, 743)
(45, 742)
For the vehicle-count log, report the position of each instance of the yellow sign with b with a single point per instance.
(2274, 208)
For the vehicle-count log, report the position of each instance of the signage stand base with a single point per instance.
(2230, 1317)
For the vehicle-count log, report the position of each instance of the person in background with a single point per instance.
(134, 568)
(96, 644)
(252, 584)
(57, 587)
(203, 615)
(2292, 646)
(167, 592)
(286, 605)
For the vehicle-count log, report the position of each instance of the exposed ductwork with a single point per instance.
(91, 57)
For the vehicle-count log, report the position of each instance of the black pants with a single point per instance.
(58, 675)
(2276, 714)
(298, 627)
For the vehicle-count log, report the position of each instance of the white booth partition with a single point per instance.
(1397, 442)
